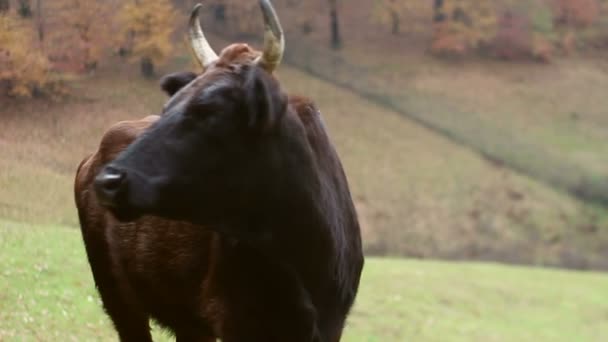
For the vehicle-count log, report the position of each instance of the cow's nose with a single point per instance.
(109, 185)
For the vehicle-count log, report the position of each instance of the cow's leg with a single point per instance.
(183, 336)
(131, 323)
(131, 326)
(273, 329)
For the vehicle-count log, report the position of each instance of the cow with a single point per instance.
(229, 215)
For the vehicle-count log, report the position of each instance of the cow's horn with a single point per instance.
(274, 40)
(200, 46)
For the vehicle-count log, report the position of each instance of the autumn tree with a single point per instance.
(147, 28)
(82, 31)
(392, 13)
(575, 20)
(579, 13)
(23, 68)
(462, 25)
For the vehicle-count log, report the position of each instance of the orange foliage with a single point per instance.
(577, 12)
(446, 42)
(148, 28)
(23, 68)
(81, 31)
(399, 15)
(514, 39)
(468, 24)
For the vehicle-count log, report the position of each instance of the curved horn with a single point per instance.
(274, 40)
(200, 46)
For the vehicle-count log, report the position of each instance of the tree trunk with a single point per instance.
(4, 6)
(219, 13)
(438, 15)
(40, 21)
(25, 9)
(395, 22)
(336, 38)
(147, 67)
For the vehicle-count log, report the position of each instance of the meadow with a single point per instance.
(47, 294)
(418, 194)
(463, 170)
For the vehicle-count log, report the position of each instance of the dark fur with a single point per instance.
(248, 230)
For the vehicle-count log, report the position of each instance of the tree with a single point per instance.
(438, 14)
(148, 27)
(39, 21)
(23, 68)
(82, 31)
(241, 17)
(392, 13)
(462, 25)
(334, 24)
(25, 10)
(577, 13)
(4, 6)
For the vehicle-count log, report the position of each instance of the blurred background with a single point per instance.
(471, 130)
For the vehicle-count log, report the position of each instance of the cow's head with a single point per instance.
(220, 144)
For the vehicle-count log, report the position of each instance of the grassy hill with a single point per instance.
(545, 120)
(47, 293)
(418, 193)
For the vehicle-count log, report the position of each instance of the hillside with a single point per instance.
(47, 293)
(418, 194)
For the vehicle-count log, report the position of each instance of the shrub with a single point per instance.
(468, 25)
(525, 31)
(579, 13)
(514, 37)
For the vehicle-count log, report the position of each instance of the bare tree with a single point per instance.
(438, 15)
(336, 38)
(4, 6)
(25, 8)
(39, 21)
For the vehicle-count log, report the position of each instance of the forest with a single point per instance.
(45, 44)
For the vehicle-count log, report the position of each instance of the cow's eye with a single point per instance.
(203, 110)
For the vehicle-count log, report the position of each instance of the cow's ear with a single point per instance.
(265, 101)
(172, 83)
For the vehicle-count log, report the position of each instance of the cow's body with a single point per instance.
(200, 283)
(229, 216)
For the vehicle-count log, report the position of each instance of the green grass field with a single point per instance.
(47, 294)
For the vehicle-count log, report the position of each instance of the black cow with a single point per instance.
(229, 216)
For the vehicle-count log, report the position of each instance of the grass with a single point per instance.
(418, 194)
(47, 293)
